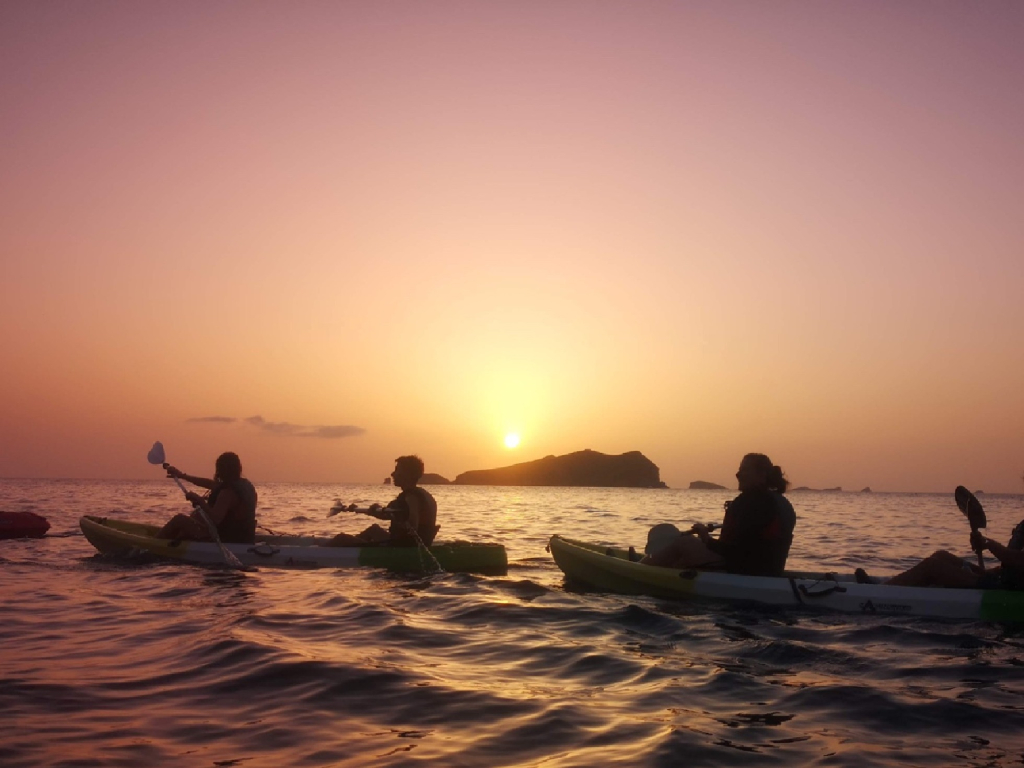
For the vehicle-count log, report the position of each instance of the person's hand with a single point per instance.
(978, 541)
(173, 471)
(193, 497)
(341, 507)
(701, 530)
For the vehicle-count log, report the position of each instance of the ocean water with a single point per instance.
(113, 663)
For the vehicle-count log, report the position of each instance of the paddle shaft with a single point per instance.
(981, 560)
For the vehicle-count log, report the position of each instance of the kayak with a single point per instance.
(22, 525)
(119, 537)
(610, 569)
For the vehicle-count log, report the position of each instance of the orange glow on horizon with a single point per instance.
(693, 232)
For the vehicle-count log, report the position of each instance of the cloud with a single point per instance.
(277, 427)
(332, 432)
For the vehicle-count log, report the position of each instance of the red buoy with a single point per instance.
(22, 525)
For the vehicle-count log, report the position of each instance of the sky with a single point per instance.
(326, 234)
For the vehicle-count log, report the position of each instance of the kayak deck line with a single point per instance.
(121, 537)
(610, 569)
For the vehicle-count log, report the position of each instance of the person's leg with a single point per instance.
(686, 551)
(940, 569)
(184, 527)
(374, 534)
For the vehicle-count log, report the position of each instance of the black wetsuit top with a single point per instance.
(399, 531)
(1013, 578)
(756, 534)
(237, 527)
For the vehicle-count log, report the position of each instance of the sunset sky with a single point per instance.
(324, 234)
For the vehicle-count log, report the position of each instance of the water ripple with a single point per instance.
(110, 662)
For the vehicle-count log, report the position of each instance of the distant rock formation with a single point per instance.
(833, 490)
(387, 481)
(866, 489)
(582, 468)
(704, 485)
(431, 479)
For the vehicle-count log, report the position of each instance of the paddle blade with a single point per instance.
(156, 453)
(971, 507)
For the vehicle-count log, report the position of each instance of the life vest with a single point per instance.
(426, 528)
(239, 526)
(1017, 537)
(756, 534)
(1013, 578)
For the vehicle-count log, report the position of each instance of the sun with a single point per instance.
(511, 440)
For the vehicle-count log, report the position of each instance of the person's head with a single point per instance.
(228, 467)
(408, 471)
(757, 473)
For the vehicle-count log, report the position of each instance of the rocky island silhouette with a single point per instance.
(704, 485)
(578, 469)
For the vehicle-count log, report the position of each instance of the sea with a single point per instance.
(114, 662)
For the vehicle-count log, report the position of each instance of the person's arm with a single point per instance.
(703, 534)
(220, 510)
(376, 510)
(1014, 558)
(739, 534)
(727, 530)
(202, 482)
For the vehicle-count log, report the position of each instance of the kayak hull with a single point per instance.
(22, 525)
(609, 569)
(120, 537)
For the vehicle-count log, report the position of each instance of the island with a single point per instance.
(704, 485)
(430, 478)
(582, 468)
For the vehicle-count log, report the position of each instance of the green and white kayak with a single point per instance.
(610, 569)
(119, 537)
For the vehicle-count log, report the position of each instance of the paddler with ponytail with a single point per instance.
(756, 533)
(230, 505)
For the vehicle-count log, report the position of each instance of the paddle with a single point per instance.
(339, 507)
(971, 507)
(156, 456)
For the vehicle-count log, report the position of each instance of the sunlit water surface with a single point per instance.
(108, 663)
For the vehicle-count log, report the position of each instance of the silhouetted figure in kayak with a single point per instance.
(944, 569)
(756, 533)
(413, 514)
(230, 505)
